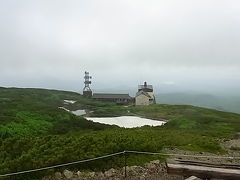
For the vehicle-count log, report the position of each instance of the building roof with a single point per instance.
(145, 87)
(144, 93)
(110, 96)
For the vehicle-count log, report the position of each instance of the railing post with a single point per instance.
(125, 164)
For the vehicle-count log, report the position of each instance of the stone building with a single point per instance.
(145, 95)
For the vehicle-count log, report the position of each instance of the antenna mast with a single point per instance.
(87, 92)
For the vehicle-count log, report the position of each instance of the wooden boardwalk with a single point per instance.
(203, 170)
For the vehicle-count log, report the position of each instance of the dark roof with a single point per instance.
(145, 87)
(110, 96)
(142, 92)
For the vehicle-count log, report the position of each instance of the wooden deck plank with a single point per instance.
(203, 170)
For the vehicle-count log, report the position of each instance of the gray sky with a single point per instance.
(174, 45)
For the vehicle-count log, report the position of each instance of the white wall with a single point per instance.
(142, 100)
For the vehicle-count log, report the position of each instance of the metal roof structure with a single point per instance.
(110, 96)
(143, 87)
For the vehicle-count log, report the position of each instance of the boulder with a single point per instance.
(133, 170)
(68, 174)
(79, 174)
(91, 174)
(58, 175)
(111, 172)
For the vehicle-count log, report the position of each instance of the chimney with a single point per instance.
(145, 84)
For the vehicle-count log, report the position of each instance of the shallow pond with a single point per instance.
(126, 121)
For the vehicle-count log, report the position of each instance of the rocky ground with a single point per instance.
(233, 146)
(153, 170)
(150, 171)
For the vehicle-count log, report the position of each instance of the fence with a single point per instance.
(111, 155)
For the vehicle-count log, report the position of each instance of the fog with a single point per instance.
(177, 46)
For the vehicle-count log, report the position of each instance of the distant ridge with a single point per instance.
(222, 103)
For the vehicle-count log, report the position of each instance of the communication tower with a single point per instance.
(87, 92)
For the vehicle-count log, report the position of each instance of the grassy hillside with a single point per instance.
(36, 133)
(28, 112)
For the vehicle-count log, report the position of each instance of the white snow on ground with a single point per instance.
(64, 109)
(122, 121)
(127, 121)
(79, 112)
(69, 101)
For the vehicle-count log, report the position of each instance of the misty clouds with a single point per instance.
(176, 45)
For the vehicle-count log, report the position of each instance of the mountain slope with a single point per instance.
(36, 133)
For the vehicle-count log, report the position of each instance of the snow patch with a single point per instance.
(79, 112)
(69, 101)
(127, 121)
(64, 109)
